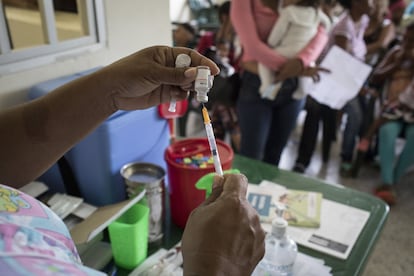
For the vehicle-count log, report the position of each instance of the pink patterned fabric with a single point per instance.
(34, 240)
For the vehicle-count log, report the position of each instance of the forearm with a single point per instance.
(315, 47)
(384, 72)
(386, 67)
(35, 134)
(387, 34)
(374, 47)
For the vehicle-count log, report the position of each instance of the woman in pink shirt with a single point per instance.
(267, 124)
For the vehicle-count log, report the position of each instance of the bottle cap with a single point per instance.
(279, 226)
(182, 61)
(202, 97)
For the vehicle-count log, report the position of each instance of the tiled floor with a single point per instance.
(394, 252)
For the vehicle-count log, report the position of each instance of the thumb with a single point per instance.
(235, 185)
(218, 182)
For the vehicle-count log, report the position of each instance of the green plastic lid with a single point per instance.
(206, 181)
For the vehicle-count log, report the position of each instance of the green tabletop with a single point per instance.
(257, 171)
(354, 265)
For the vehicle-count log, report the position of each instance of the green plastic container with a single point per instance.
(206, 181)
(129, 237)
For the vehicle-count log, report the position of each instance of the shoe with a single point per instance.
(386, 193)
(346, 169)
(357, 164)
(392, 113)
(299, 168)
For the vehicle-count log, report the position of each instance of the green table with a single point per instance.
(257, 171)
(354, 265)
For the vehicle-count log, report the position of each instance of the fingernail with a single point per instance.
(190, 72)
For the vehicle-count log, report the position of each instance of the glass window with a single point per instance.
(33, 28)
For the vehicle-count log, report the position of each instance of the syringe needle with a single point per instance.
(212, 141)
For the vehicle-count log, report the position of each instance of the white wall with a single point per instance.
(180, 12)
(131, 25)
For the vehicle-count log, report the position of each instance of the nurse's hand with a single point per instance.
(149, 77)
(223, 236)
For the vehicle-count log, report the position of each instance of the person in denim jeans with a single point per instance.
(353, 110)
(267, 124)
(261, 119)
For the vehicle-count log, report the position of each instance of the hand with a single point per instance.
(391, 104)
(314, 72)
(223, 236)
(366, 90)
(399, 57)
(149, 77)
(292, 68)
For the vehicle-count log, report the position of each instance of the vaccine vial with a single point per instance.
(203, 83)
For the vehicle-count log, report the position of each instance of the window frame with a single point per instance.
(92, 12)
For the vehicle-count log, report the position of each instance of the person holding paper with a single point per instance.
(348, 34)
(266, 125)
(296, 26)
(316, 112)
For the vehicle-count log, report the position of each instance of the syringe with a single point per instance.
(212, 141)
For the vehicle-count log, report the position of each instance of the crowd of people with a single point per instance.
(277, 49)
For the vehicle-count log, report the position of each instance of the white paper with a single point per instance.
(343, 83)
(162, 263)
(306, 265)
(34, 188)
(84, 210)
(340, 227)
(63, 204)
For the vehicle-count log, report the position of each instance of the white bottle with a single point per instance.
(203, 83)
(280, 252)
